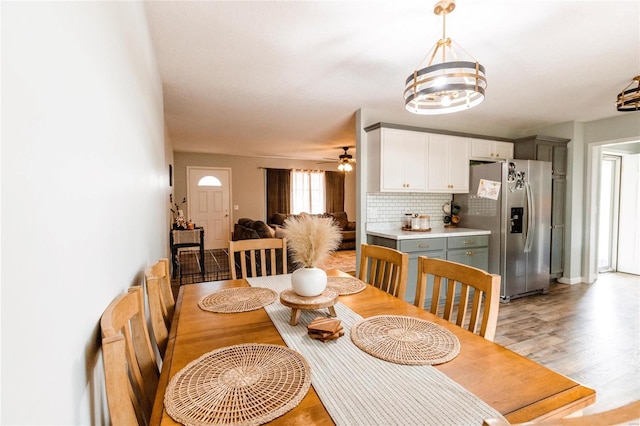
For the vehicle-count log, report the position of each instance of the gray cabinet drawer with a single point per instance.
(422, 244)
(469, 241)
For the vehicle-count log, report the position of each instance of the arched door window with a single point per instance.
(209, 181)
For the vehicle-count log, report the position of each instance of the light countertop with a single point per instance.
(399, 234)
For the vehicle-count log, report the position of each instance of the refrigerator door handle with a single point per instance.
(528, 242)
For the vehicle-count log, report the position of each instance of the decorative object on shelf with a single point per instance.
(345, 160)
(179, 221)
(310, 239)
(629, 99)
(450, 85)
(451, 210)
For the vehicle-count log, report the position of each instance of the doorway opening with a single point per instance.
(609, 209)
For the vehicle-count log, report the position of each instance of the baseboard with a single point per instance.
(564, 280)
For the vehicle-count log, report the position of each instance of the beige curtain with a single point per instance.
(334, 191)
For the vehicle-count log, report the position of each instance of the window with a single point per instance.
(307, 192)
(209, 181)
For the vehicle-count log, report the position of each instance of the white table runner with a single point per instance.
(357, 388)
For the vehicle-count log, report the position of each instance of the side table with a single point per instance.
(183, 238)
(297, 303)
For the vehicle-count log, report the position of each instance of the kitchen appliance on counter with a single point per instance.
(512, 199)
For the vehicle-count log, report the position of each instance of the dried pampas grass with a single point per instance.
(311, 239)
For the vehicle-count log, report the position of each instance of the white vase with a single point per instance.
(308, 282)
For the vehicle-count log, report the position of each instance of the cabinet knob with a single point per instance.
(469, 253)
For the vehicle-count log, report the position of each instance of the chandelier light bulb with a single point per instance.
(440, 81)
(446, 100)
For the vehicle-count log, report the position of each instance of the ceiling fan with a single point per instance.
(345, 160)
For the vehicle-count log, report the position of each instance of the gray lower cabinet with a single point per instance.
(471, 250)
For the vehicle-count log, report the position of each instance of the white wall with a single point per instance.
(582, 183)
(84, 196)
(629, 237)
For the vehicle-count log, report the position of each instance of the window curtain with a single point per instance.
(334, 191)
(278, 191)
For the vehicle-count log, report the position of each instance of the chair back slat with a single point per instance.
(384, 268)
(131, 372)
(161, 302)
(485, 300)
(266, 262)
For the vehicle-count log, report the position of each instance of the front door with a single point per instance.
(208, 198)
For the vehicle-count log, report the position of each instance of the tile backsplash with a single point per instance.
(390, 207)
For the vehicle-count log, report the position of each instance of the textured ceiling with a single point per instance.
(285, 79)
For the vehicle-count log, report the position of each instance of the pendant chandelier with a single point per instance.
(629, 99)
(447, 83)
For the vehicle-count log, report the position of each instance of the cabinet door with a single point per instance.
(448, 164)
(559, 161)
(481, 148)
(478, 257)
(503, 150)
(459, 167)
(438, 164)
(403, 161)
(559, 189)
(544, 152)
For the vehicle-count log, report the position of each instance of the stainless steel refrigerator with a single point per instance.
(512, 199)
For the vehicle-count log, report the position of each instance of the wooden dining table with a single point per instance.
(517, 387)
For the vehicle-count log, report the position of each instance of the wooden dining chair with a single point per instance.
(486, 293)
(262, 257)
(384, 268)
(627, 414)
(131, 372)
(161, 301)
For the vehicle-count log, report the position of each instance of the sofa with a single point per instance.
(347, 228)
(248, 229)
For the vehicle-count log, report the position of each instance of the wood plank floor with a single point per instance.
(588, 332)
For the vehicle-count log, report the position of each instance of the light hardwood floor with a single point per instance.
(588, 332)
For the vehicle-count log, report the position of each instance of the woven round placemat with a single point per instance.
(247, 384)
(238, 299)
(346, 285)
(405, 340)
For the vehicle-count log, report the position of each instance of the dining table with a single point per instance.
(514, 386)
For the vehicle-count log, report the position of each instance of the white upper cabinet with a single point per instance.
(448, 169)
(485, 149)
(397, 160)
(403, 161)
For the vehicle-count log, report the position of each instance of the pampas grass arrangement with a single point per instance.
(311, 239)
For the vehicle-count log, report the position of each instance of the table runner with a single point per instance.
(357, 388)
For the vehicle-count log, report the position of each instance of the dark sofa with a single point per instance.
(347, 228)
(248, 229)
